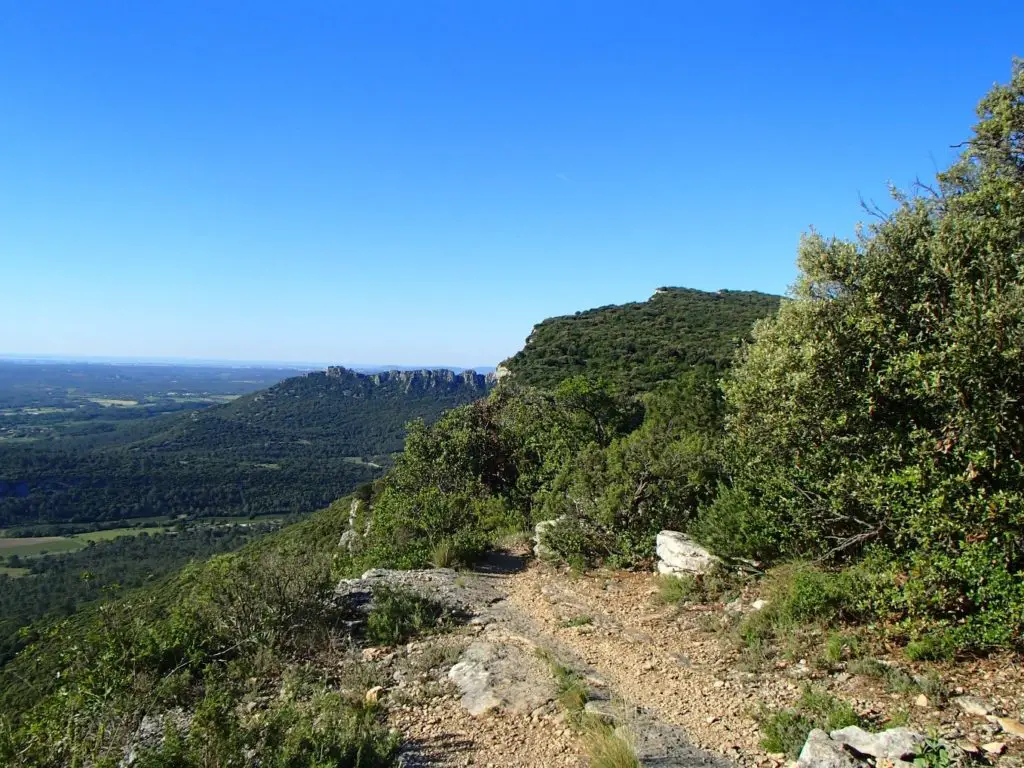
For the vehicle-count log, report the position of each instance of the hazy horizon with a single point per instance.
(232, 363)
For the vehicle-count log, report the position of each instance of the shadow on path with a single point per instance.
(502, 563)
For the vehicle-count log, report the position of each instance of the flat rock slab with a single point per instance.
(492, 675)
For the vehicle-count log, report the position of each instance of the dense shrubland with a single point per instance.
(875, 422)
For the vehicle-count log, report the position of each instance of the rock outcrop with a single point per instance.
(853, 747)
(679, 555)
(541, 550)
(441, 378)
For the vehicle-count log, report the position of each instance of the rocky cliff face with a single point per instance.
(410, 381)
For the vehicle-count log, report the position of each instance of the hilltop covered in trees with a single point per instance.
(635, 346)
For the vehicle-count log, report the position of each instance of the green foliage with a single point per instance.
(572, 692)
(717, 584)
(637, 346)
(800, 594)
(397, 615)
(786, 730)
(60, 584)
(935, 647)
(898, 680)
(204, 640)
(612, 501)
(882, 404)
(934, 754)
(840, 646)
(325, 730)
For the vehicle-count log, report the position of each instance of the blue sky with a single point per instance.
(421, 182)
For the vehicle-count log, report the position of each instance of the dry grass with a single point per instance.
(606, 748)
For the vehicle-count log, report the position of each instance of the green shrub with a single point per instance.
(398, 614)
(733, 525)
(935, 647)
(324, 730)
(212, 637)
(801, 597)
(673, 590)
(784, 731)
(881, 406)
(577, 541)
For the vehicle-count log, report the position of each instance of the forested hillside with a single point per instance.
(292, 448)
(635, 346)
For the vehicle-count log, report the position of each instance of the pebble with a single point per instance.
(1009, 726)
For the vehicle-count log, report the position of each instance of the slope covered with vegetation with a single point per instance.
(635, 346)
(256, 627)
(292, 448)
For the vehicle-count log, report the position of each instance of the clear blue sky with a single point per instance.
(420, 182)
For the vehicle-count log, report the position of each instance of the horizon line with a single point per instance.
(226, 362)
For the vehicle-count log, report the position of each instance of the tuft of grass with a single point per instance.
(840, 646)
(444, 555)
(607, 749)
(578, 621)
(898, 719)
(868, 667)
(826, 709)
(397, 615)
(571, 691)
(898, 680)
